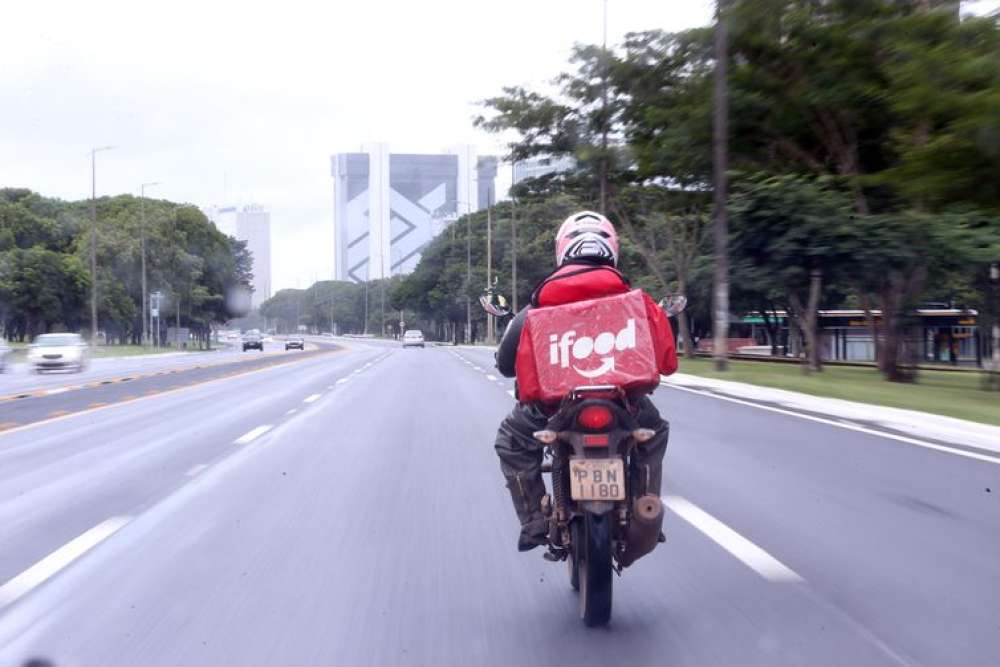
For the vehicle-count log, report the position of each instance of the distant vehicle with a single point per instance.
(4, 351)
(413, 338)
(294, 343)
(327, 334)
(61, 351)
(253, 339)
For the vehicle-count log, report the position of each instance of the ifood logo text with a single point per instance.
(603, 345)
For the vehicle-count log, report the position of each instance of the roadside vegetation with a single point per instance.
(45, 276)
(864, 161)
(951, 393)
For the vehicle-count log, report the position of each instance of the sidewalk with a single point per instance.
(921, 425)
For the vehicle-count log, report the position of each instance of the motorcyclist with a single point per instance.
(586, 261)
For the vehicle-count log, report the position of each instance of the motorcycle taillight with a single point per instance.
(595, 417)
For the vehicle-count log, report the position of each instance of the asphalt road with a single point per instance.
(19, 378)
(347, 509)
(128, 378)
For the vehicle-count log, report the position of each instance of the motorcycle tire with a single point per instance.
(595, 570)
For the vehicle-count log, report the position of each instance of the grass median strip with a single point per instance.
(939, 392)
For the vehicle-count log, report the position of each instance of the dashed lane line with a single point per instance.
(342, 380)
(194, 470)
(749, 553)
(59, 559)
(312, 399)
(252, 434)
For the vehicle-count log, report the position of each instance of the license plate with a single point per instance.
(597, 479)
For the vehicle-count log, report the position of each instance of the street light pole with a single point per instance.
(604, 116)
(468, 274)
(142, 232)
(489, 261)
(93, 241)
(513, 242)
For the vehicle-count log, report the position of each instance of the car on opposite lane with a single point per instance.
(413, 338)
(295, 343)
(253, 339)
(58, 351)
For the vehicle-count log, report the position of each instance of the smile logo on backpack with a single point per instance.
(603, 345)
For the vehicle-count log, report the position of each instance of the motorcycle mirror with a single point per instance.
(673, 304)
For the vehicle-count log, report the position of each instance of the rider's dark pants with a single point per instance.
(521, 458)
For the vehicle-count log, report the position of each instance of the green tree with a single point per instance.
(41, 290)
(792, 236)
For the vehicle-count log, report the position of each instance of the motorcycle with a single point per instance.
(600, 517)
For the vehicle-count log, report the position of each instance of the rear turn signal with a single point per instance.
(594, 417)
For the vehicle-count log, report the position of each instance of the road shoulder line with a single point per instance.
(833, 421)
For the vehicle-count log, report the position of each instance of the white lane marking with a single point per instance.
(342, 380)
(57, 390)
(491, 378)
(194, 470)
(752, 555)
(849, 427)
(511, 392)
(312, 399)
(252, 435)
(477, 368)
(58, 559)
(292, 411)
(355, 371)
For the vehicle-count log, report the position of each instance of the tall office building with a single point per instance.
(388, 206)
(251, 224)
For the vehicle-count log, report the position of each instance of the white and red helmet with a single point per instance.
(587, 235)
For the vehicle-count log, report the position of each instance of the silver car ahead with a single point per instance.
(413, 338)
(58, 351)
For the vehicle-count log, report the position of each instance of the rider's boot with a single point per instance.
(527, 492)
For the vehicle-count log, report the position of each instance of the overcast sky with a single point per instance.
(240, 102)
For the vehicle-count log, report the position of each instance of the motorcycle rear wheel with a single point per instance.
(595, 572)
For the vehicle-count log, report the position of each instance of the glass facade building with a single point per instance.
(388, 206)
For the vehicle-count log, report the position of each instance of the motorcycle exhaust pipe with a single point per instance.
(643, 531)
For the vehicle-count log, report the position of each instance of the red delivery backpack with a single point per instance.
(603, 341)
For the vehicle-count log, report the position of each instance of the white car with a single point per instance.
(58, 351)
(413, 338)
(4, 351)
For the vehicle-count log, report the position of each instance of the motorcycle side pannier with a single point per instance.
(605, 341)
